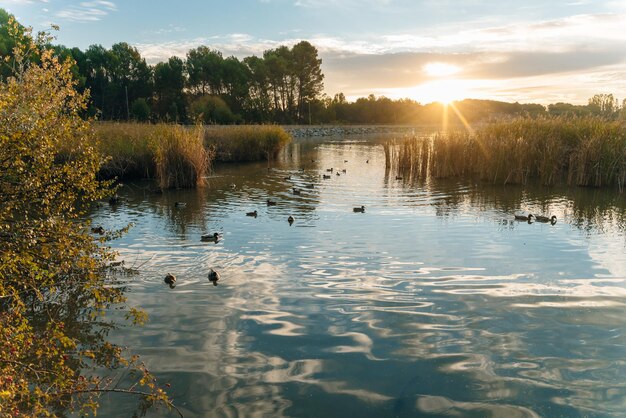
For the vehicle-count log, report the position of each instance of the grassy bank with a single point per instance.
(180, 157)
(246, 143)
(583, 152)
(173, 155)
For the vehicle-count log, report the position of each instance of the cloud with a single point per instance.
(87, 11)
(518, 57)
(26, 1)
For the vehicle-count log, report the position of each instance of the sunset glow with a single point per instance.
(440, 69)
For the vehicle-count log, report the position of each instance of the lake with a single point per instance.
(433, 302)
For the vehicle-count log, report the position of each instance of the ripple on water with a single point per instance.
(434, 301)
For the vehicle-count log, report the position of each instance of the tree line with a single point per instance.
(284, 85)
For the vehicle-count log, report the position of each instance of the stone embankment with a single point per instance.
(313, 131)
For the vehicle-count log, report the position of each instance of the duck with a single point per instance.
(310, 186)
(545, 219)
(271, 202)
(345, 161)
(330, 170)
(344, 171)
(98, 230)
(214, 276)
(180, 204)
(398, 177)
(367, 161)
(251, 213)
(357, 210)
(170, 279)
(233, 186)
(296, 191)
(325, 177)
(210, 237)
(522, 217)
(287, 178)
(114, 200)
(290, 219)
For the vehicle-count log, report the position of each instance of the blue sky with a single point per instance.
(424, 49)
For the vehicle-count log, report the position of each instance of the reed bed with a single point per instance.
(182, 161)
(582, 151)
(173, 155)
(128, 148)
(246, 143)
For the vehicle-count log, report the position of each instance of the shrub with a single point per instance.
(55, 287)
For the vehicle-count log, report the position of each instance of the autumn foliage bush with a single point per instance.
(55, 283)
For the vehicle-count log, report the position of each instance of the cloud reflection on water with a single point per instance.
(424, 303)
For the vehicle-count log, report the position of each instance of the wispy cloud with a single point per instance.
(87, 11)
(19, 2)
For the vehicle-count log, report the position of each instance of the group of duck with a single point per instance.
(539, 218)
(214, 276)
(170, 279)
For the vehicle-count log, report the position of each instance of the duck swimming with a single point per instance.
(290, 219)
(522, 217)
(214, 276)
(325, 177)
(359, 210)
(271, 202)
(251, 213)
(296, 191)
(170, 279)
(545, 219)
(180, 204)
(98, 230)
(210, 237)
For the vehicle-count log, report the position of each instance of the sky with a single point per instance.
(528, 51)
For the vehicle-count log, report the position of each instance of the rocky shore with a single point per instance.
(313, 131)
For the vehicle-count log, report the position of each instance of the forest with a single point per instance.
(285, 85)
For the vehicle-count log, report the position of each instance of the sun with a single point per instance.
(440, 69)
(442, 91)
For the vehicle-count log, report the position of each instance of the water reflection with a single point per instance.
(432, 302)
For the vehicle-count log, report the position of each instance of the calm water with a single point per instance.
(433, 302)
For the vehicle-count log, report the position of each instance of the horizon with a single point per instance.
(425, 51)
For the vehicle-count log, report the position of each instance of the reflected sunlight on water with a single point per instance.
(432, 302)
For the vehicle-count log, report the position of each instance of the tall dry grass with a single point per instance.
(129, 148)
(246, 143)
(173, 155)
(182, 161)
(582, 151)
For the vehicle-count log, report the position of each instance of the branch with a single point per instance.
(125, 391)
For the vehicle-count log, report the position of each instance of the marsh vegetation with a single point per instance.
(574, 151)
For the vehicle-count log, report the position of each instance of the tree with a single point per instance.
(277, 62)
(235, 82)
(97, 71)
(308, 76)
(169, 84)
(204, 69)
(604, 105)
(55, 286)
(140, 110)
(212, 110)
(131, 78)
(258, 104)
